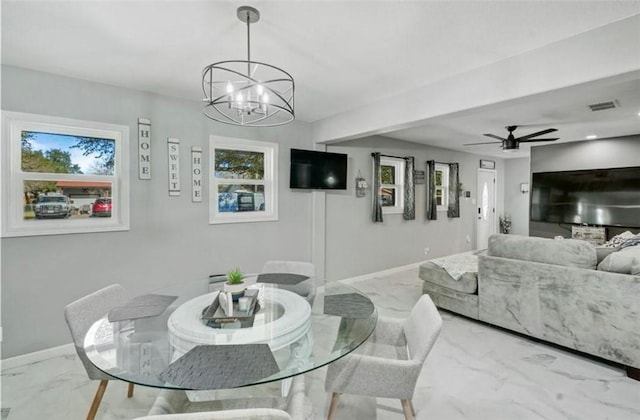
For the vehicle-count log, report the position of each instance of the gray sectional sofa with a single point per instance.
(547, 289)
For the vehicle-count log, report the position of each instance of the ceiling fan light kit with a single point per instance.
(512, 143)
(246, 92)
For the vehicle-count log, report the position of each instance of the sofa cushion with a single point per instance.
(603, 252)
(564, 252)
(625, 261)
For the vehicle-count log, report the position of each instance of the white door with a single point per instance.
(486, 212)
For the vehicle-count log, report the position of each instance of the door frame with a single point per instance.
(495, 200)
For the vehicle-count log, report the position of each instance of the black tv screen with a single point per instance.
(311, 169)
(608, 197)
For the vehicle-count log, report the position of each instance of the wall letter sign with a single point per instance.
(144, 148)
(196, 174)
(174, 166)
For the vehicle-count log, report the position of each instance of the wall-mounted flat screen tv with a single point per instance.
(608, 197)
(311, 169)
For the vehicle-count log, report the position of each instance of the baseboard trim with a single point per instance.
(369, 276)
(37, 356)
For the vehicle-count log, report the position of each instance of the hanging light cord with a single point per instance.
(248, 47)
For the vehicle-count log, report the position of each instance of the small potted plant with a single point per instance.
(505, 224)
(235, 284)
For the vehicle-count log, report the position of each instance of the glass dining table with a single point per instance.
(164, 339)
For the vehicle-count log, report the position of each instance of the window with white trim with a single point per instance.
(243, 186)
(392, 184)
(63, 175)
(442, 186)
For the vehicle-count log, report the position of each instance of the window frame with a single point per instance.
(444, 187)
(398, 167)
(270, 180)
(12, 218)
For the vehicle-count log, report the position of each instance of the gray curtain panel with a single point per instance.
(376, 196)
(454, 195)
(409, 212)
(432, 207)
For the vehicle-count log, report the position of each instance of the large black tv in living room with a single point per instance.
(312, 169)
(604, 197)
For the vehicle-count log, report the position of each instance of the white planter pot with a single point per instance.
(236, 290)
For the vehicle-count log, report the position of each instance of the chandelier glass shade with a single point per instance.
(246, 92)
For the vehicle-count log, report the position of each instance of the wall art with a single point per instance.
(144, 148)
(196, 174)
(173, 146)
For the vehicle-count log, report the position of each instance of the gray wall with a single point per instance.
(594, 154)
(170, 239)
(355, 245)
(516, 204)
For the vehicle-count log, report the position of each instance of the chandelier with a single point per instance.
(246, 92)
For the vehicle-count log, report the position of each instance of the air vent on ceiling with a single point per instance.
(603, 105)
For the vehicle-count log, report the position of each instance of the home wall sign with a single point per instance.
(144, 148)
(418, 177)
(173, 146)
(196, 174)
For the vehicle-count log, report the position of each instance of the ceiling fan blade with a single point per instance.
(532, 140)
(539, 133)
(488, 142)
(493, 136)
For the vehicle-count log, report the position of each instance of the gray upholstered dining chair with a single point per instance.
(295, 267)
(174, 405)
(388, 365)
(80, 315)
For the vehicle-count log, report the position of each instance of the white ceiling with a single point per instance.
(343, 55)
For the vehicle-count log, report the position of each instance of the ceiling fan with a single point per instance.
(513, 143)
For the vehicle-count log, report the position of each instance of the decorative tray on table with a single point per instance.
(219, 315)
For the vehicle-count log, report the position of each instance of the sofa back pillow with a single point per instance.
(565, 252)
(625, 261)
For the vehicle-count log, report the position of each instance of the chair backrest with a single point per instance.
(82, 313)
(174, 401)
(296, 398)
(307, 291)
(294, 267)
(422, 328)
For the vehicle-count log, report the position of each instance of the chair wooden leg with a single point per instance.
(97, 399)
(130, 390)
(407, 408)
(335, 397)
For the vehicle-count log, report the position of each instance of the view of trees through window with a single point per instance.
(388, 191)
(239, 165)
(49, 153)
(441, 191)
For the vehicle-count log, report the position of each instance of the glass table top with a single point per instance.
(178, 349)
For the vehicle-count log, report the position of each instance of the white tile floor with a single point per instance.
(474, 372)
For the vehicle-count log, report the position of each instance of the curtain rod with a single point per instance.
(404, 157)
(391, 156)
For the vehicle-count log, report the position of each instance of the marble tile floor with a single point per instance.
(474, 372)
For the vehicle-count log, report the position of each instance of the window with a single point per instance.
(392, 184)
(442, 186)
(243, 185)
(57, 169)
